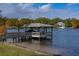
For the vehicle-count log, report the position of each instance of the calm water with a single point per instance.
(64, 40)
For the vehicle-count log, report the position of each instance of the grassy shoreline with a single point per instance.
(9, 50)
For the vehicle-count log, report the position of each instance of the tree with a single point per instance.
(55, 20)
(41, 20)
(2, 30)
(13, 21)
(8, 23)
(25, 21)
(67, 22)
(2, 24)
(75, 23)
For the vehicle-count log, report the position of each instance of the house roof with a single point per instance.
(60, 23)
(37, 25)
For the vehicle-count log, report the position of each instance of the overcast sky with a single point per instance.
(24, 10)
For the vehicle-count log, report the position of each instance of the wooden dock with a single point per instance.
(33, 32)
(27, 35)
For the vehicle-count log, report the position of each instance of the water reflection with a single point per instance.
(46, 42)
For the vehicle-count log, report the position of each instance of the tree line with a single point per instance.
(69, 22)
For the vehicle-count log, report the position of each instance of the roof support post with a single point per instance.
(39, 34)
(51, 33)
(46, 33)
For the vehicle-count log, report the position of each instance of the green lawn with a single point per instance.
(7, 50)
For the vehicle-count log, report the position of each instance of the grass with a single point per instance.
(7, 50)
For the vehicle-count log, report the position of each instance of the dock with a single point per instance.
(33, 31)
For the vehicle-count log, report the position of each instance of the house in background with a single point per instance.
(60, 25)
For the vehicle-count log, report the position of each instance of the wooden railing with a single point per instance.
(27, 34)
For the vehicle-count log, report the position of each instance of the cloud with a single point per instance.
(26, 10)
(7, 9)
(33, 12)
(45, 8)
(24, 5)
(16, 10)
(71, 4)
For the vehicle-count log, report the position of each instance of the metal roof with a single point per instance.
(37, 25)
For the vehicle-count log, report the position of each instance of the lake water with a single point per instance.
(65, 40)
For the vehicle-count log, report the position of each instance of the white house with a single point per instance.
(61, 25)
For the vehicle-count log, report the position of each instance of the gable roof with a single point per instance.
(37, 25)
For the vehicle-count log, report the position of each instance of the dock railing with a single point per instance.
(29, 34)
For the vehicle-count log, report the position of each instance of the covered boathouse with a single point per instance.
(32, 32)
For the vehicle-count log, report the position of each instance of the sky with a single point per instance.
(36, 10)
